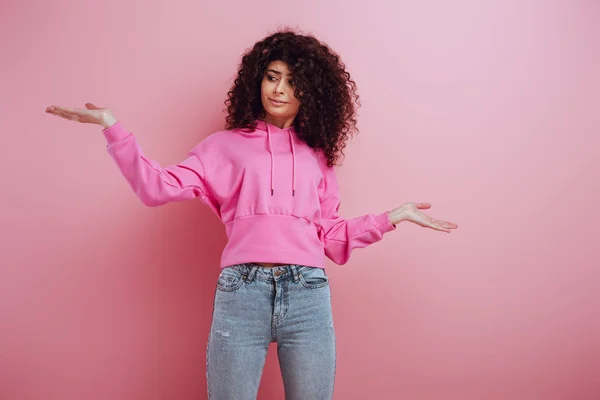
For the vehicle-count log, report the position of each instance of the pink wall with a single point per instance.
(488, 110)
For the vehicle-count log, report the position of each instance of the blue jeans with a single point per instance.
(254, 306)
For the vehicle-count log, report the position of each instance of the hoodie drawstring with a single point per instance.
(273, 161)
(293, 164)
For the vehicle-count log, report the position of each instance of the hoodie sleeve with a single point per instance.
(341, 236)
(153, 184)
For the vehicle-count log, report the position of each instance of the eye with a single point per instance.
(292, 82)
(271, 78)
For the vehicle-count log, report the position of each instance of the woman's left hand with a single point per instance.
(412, 212)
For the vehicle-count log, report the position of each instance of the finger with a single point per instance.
(63, 109)
(67, 115)
(57, 110)
(91, 106)
(64, 112)
(52, 109)
(423, 206)
(67, 111)
(434, 224)
(438, 228)
(446, 224)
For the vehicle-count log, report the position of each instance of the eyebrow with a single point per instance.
(276, 72)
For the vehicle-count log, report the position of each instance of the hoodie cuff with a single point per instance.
(384, 224)
(115, 133)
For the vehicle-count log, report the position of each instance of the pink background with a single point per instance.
(486, 109)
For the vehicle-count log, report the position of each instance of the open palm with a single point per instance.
(90, 115)
(412, 212)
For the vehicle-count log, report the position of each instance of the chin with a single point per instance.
(277, 112)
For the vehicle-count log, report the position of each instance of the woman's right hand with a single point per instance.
(90, 115)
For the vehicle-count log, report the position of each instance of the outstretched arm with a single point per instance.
(341, 236)
(153, 184)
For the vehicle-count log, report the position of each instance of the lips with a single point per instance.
(279, 102)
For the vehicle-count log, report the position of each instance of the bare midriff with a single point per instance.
(268, 265)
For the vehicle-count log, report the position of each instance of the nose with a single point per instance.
(279, 87)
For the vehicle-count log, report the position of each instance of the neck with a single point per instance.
(280, 122)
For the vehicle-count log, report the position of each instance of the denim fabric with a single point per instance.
(254, 306)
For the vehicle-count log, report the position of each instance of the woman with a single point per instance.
(270, 178)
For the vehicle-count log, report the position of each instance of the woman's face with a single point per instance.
(277, 95)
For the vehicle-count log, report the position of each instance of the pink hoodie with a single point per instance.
(276, 196)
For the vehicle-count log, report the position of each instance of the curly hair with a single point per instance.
(327, 94)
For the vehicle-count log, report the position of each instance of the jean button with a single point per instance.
(277, 273)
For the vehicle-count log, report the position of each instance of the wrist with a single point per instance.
(396, 216)
(108, 121)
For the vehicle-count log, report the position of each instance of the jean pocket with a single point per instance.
(313, 278)
(230, 279)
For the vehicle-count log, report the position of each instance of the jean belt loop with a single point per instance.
(295, 273)
(251, 274)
